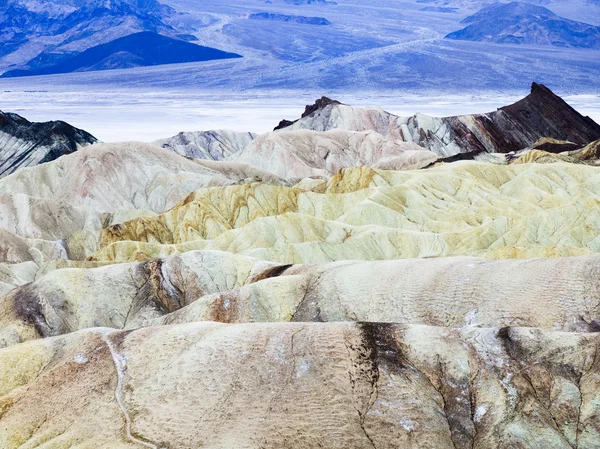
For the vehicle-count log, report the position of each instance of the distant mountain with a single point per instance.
(524, 23)
(289, 18)
(310, 2)
(478, 4)
(386, 45)
(139, 49)
(439, 9)
(73, 25)
(64, 27)
(25, 144)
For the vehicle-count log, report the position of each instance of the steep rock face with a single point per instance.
(511, 128)
(541, 114)
(290, 385)
(212, 145)
(25, 144)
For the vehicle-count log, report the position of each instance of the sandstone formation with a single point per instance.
(466, 208)
(219, 286)
(336, 385)
(351, 280)
(25, 144)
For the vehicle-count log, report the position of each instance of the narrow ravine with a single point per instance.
(121, 366)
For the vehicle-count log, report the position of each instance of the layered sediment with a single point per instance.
(351, 280)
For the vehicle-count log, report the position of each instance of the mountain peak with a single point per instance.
(518, 9)
(541, 114)
(310, 109)
(24, 143)
(541, 92)
(541, 89)
(319, 104)
(523, 23)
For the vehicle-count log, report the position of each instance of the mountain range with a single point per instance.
(136, 50)
(330, 136)
(66, 36)
(522, 23)
(69, 26)
(395, 46)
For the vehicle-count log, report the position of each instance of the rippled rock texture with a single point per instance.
(337, 385)
(329, 284)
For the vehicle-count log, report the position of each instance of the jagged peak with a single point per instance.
(310, 109)
(542, 90)
(26, 143)
(318, 104)
(4, 116)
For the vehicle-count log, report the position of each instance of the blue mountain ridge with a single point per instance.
(139, 49)
(76, 25)
(289, 18)
(524, 23)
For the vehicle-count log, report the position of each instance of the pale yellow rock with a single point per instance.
(469, 208)
(124, 176)
(336, 385)
(552, 294)
(118, 296)
(217, 286)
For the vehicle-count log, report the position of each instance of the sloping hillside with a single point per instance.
(523, 23)
(25, 144)
(159, 300)
(139, 49)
